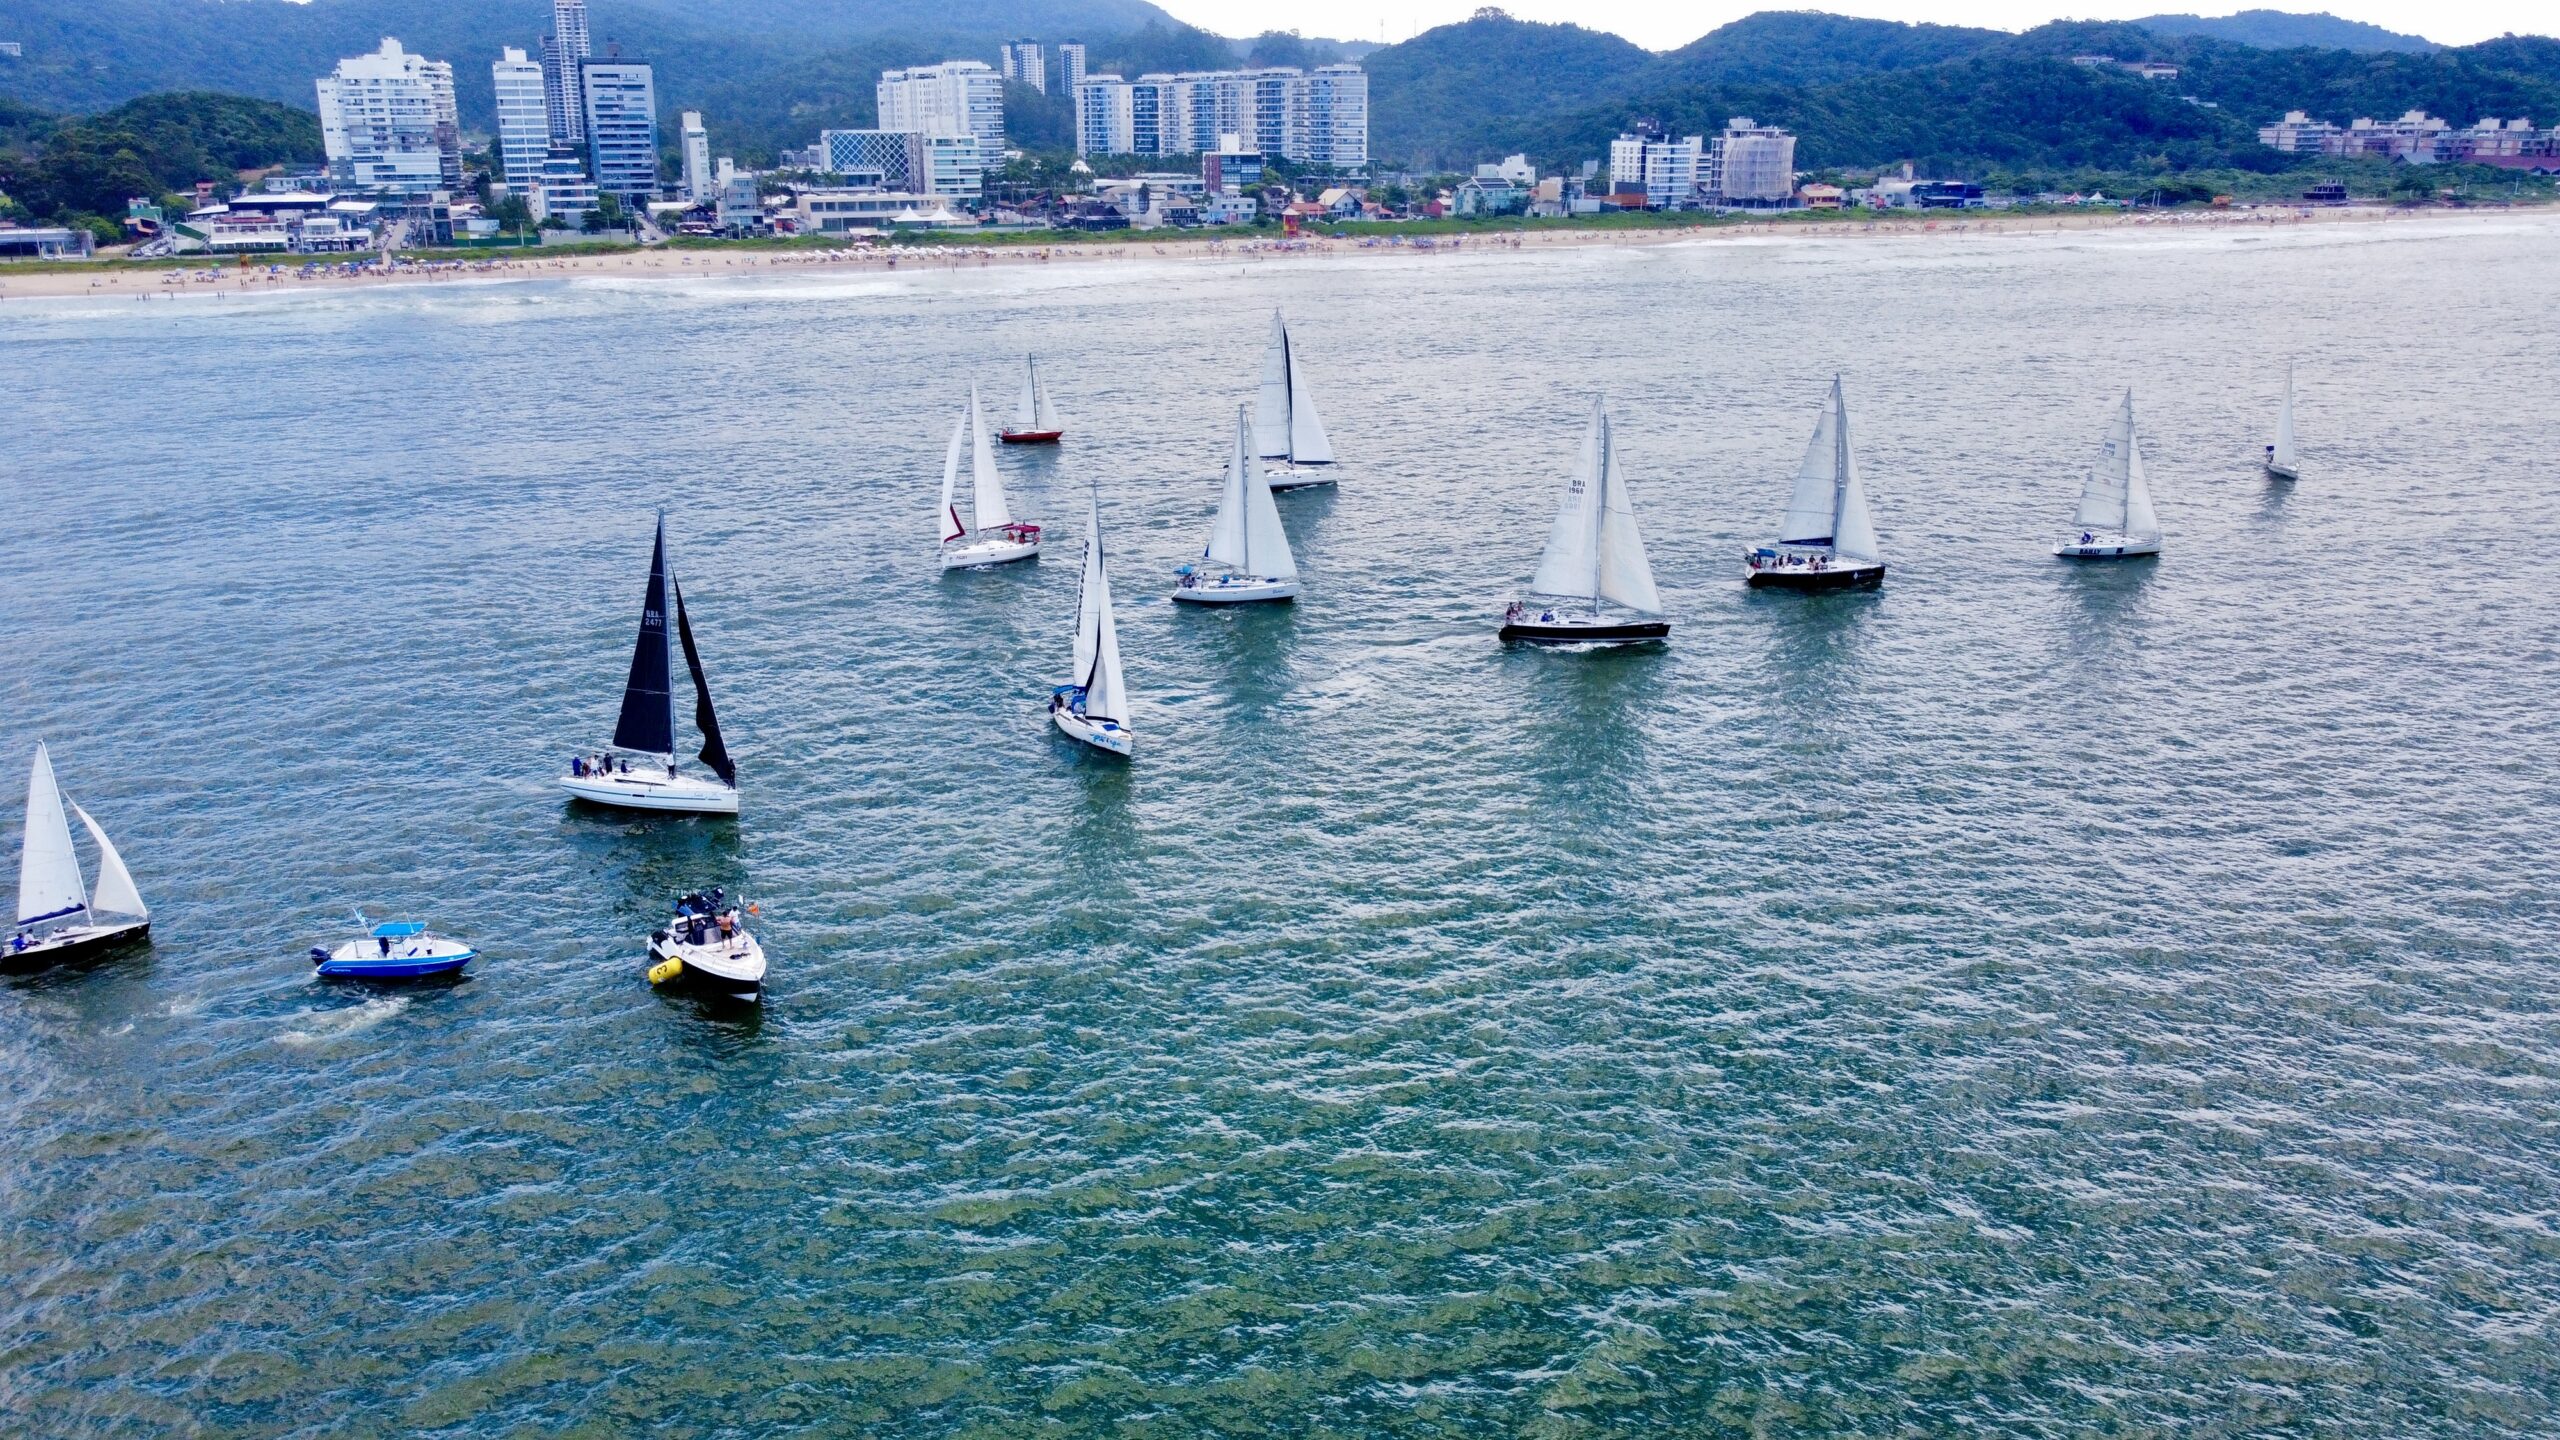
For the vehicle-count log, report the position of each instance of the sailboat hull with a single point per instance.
(71, 942)
(1294, 477)
(654, 790)
(2109, 547)
(1550, 628)
(980, 553)
(2282, 472)
(1106, 736)
(1835, 575)
(1029, 437)
(1233, 589)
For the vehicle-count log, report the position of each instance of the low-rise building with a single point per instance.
(1494, 195)
(296, 222)
(46, 242)
(561, 189)
(1819, 196)
(843, 212)
(1233, 167)
(2298, 134)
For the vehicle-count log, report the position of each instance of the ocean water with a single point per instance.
(2027, 1000)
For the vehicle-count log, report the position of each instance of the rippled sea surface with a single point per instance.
(2028, 1000)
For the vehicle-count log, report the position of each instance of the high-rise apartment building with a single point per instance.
(524, 118)
(1318, 118)
(1664, 169)
(698, 184)
(388, 122)
(562, 49)
(956, 97)
(1071, 64)
(1024, 62)
(622, 126)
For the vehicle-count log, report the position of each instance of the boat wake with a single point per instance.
(328, 1025)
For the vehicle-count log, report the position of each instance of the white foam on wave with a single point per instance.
(328, 1025)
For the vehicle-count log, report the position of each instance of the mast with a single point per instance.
(1839, 458)
(1600, 507)
(1244, 516)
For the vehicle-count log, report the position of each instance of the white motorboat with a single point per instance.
(1094, 707)
(1039, 422)
(1288, 435)
(1594, 585)
(639, 770)
(706, 949)
(2281, 461)
(2115, 519)
(59, 916)
(1826, 540)
(1247, 558)
(999, 539)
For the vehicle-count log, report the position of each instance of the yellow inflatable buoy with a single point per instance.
(665, 970)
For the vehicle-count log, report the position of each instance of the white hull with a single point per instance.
(66, 941)
(979, 553)
(1295, 477)
(2108, 547)
(1101, 735)
(1233, 589)
(2282, 472)
(655, 790)
(732, 967)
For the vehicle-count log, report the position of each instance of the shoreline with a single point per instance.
(117, 279)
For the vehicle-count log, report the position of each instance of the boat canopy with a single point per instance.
(398, 929)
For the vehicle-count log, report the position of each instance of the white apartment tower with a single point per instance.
(956, 97)
(524, 118)
(1666, 170)
(699, 188)
(622, 126)
(388, 122)
(562, 49)
(1318, 118)
(1026, 63)
(1071, 64)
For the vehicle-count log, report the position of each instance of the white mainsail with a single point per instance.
(952, 529)
(2113, 499)
(49, 886)
(117, 894)
(1246, 537)
(1106, 696)
(2284, 423)
(1809, 518)
(1285, 423)
(1853, 534)
(1624, 574)
(986, 488)
(1593, 551)
(1037, 412)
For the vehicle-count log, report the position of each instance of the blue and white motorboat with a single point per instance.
(395, 950)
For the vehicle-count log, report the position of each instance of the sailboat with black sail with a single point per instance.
(639, 770)
(1247, 557)
(59, 916)
(1038, 424)
(1594, 585)
(999, 538)
(1826, 540)
(2115, 519)
(1094, 707)
(1287, 433)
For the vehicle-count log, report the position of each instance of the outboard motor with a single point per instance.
(319, 956)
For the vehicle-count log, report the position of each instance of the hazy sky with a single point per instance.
(1665, 24)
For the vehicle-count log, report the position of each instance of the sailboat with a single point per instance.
(646, 733)
(1039, 423)
(2280, 459)
(1094, 707)
(999, 538)
(1286, 427)
(2115, 519)
(58, 915)
(1826, 541)
(1594, 560)
(1247, 557)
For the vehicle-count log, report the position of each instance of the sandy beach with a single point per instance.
(267, 274)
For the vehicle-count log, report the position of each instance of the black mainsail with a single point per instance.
(714, 753)
(648, 724)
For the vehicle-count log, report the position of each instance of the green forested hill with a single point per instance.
(2277, 30)
(89, 166)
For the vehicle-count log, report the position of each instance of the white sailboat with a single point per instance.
(1038, 423)
(1594, 585)
(998, 538)
(1286, 428)
(638, 771)
(58, 915)
(1094, 707)
(1247, 557)
(1826, 540)
(2281, 464)
(2115, 519)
